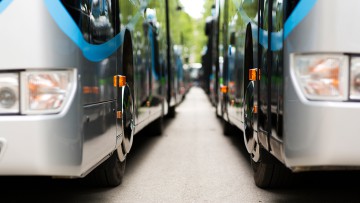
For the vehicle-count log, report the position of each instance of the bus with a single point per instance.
(210, 60)
(175, 62)
(78, 79)
(290, 84)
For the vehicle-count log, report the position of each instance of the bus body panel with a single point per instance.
(34, 26)
(321, 133)
(157, 38)
(41, 145)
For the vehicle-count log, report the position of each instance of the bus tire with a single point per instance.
(270, 172)
(157, 126)
(228, 129)
(172, 112)
(109, 174)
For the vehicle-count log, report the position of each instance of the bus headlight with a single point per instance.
(322, 77)
(9, 93)
(355, 78)
(45, 91)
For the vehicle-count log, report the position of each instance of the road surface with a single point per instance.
(192, 161)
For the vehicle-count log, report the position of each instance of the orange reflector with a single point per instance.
(255, 109)
(87, 90)
(259, 73)
(95, 90)
(122, 80)
(252, 74)
(118, 114)
(224, 89)
(119, 80)
(115, 80)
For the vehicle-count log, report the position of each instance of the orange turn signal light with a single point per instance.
(254, 74)
(95, 90)
(224, 89)
(255, 109)
(87, 90)
(122, 80)
(119, 80)
(115, 80)
(118, 114)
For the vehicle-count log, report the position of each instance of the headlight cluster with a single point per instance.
(35, 92)
(327, 76)
(322, 77)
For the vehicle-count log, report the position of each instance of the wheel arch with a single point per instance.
(127, 63)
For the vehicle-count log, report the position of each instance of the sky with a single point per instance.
(193, 7)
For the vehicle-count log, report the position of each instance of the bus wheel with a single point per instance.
(172, 112)
(250, 136)
(270, 172)
(128, 121)
(109, 174)
(228, 128)
(157, 126)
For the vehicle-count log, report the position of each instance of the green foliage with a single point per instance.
(184, 30)
(181, 27)
(207, 8)
(187, 31)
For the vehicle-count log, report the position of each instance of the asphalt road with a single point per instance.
(192, 161)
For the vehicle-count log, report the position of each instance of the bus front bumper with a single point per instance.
(44, 145)
(322, 135)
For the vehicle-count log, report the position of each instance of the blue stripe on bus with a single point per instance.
(301, 10)
(276, 39)
(152, 44)
(70, 28)
(4, 4)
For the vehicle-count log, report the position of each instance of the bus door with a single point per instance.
(156, 15)
(233, 72)
(252, 77)
(143, 68)
(276, 80)
(100, 129)
(270, 46)
(156, 90)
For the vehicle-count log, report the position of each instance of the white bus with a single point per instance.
(78, 79)
(291, 83)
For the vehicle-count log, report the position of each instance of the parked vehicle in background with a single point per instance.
(210, 58)
(175, 56)
(290, 85)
